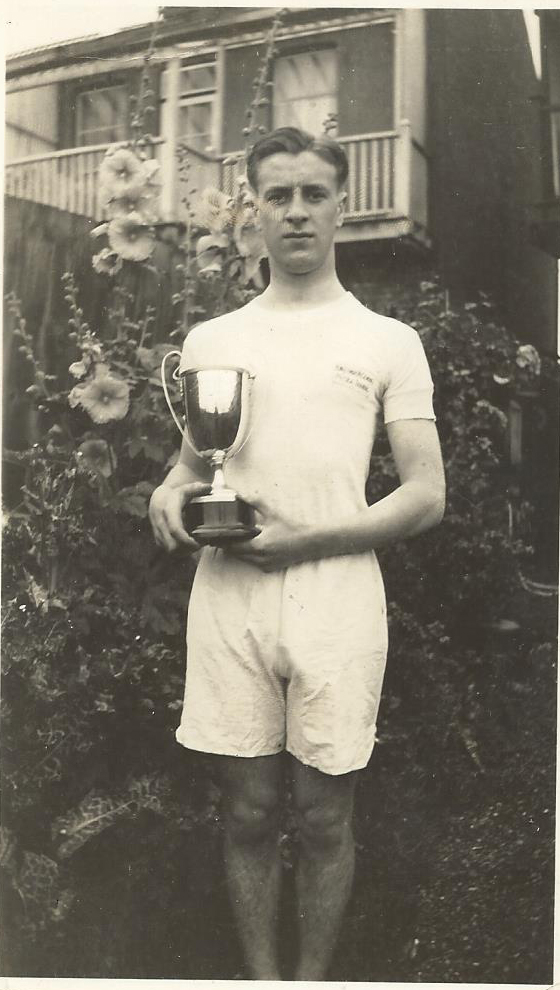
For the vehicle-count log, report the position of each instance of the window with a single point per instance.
(102, 116)
(197, 94)
(305, 90)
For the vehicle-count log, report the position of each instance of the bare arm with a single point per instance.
(416, 505)
(189, 477)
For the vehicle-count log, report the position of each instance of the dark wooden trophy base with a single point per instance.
(219, 519)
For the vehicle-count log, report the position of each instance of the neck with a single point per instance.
(306, 290)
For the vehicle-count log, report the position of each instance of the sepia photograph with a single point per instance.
(232, 234)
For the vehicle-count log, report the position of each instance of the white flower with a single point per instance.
(78, 369)
(214, 210)
(104, 397)
(131, 237)
(250, 244)
(107, 262)
(121, 173)
(528, 357)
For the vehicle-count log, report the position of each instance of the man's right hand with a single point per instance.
(166, 514)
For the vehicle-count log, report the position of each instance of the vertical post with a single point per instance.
(403, 169)
(169, 128)
(218, 121)
(71, 182)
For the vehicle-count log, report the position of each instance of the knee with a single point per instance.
(252, 819)
(324, 827)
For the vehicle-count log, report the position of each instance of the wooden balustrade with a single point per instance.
(371, 179)
(379, 182)
(64, 179)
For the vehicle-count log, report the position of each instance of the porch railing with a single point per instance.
(387, 177)
(371, 178)
(67, 180)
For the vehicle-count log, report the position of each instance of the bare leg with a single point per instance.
(324, 807)
(252, 791)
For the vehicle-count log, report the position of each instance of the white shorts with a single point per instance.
(289, 660)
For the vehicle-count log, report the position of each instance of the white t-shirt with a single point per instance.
(322, 378)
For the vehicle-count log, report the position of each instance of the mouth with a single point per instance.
(297, 236)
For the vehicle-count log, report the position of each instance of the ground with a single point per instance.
(455, 868)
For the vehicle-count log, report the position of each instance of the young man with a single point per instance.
(287, 632)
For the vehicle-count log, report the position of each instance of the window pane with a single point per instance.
(308, 114)
(195, 124)
(305, 90)
(198, 77)
(102, 116)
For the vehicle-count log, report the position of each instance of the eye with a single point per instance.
(276, 197)
(315, 195)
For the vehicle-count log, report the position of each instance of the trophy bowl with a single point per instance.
(216, 402)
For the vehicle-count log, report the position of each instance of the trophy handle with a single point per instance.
(175, 374)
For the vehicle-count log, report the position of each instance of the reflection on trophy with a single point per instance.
(216, 402)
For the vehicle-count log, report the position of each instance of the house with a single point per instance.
(451, 129)
(65, 106)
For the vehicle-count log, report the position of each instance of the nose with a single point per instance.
(297, 209)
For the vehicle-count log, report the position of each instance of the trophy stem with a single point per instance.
(218, 481)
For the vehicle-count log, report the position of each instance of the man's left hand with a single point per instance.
(279, 544)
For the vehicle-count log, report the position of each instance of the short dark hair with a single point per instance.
(293, 141)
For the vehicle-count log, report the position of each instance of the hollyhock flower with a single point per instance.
(214, 210)
(107, 262)
(131, 237)
(528, 357)
(121, 173)
(104, 397)
(97, 456)
(250, 243)
(78, 369)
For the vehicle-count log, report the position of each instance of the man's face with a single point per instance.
(300, 207)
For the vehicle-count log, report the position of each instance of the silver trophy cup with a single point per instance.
(216, 403)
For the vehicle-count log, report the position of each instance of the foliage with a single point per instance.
(448, 588)
(471, 559)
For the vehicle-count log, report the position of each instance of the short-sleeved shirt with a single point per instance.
(323, 377)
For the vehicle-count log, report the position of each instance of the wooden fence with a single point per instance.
(41, 243)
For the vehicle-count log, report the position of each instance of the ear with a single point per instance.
(343, 196)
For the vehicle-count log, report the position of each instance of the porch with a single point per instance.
(387, 183)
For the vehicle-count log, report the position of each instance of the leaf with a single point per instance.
(149, 793)
(92, 816)
(151, 357)
(39, 595)
(135, 447)
(145, 488)
(158, 621)
(134, 500)
(98, 812)
(154, 452)
(134, 505)
(37, 878)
